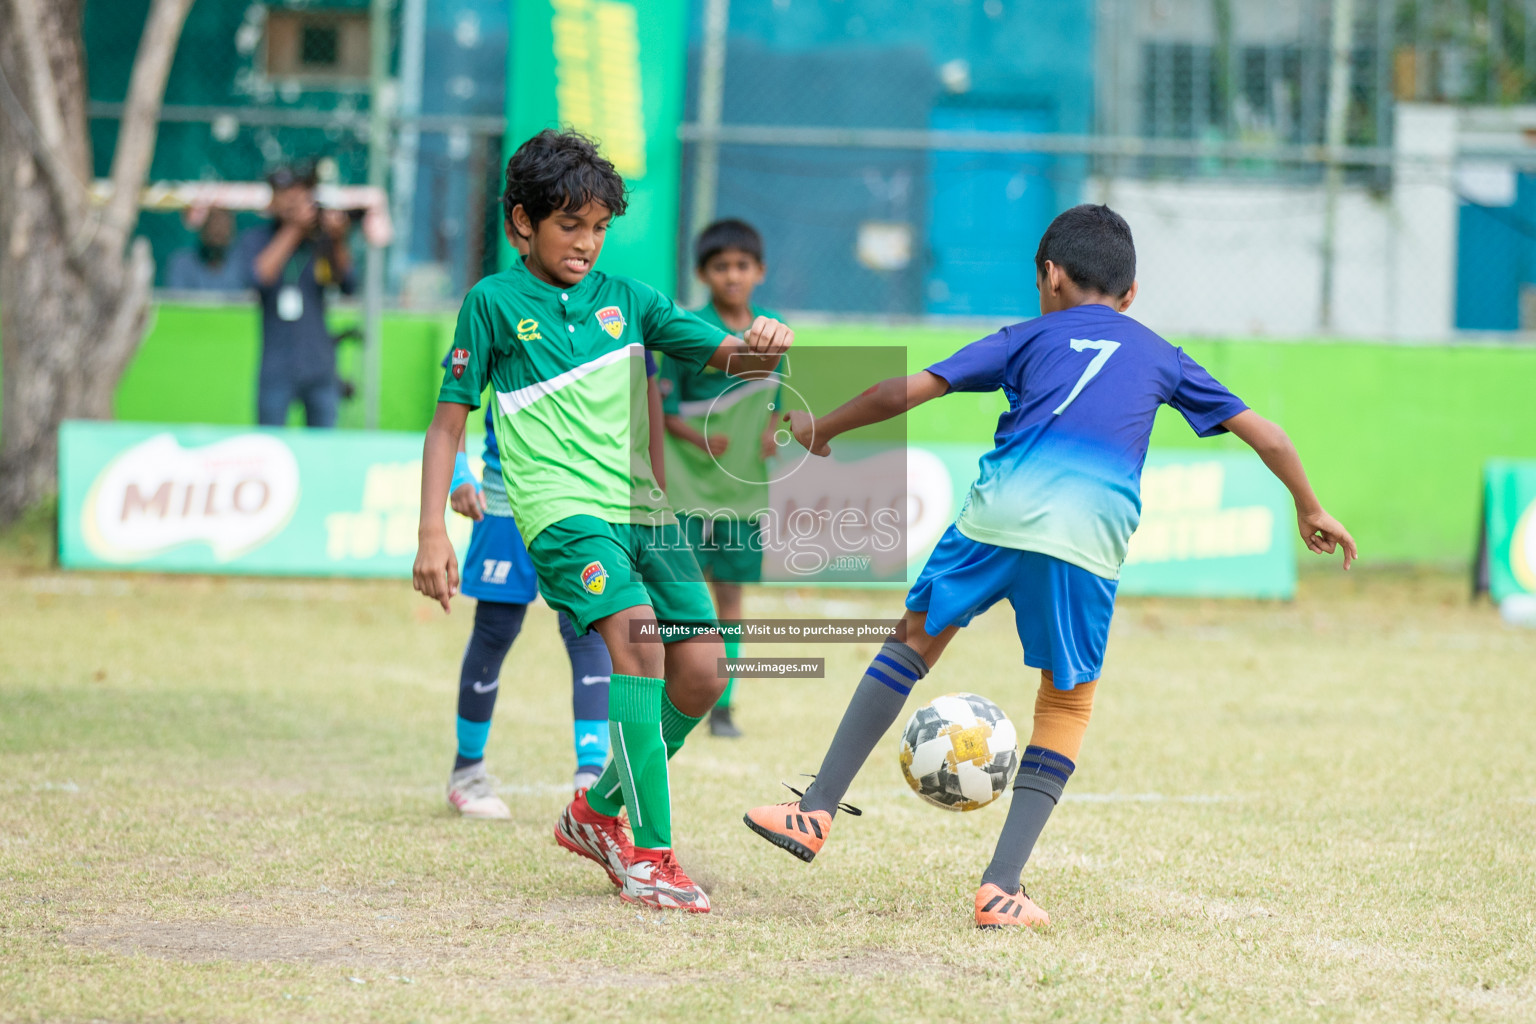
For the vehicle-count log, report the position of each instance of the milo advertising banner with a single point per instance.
(1215, 525)
(344, 503)
(1212, 526)
(228, 500)
(1509, 504)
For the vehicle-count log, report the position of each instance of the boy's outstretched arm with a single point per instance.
(1323, 533)
(888, 399)
(436, 573)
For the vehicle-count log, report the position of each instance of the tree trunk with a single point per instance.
(74, 286)
(67, 341)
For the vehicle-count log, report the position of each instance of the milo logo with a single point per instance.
(233, 496)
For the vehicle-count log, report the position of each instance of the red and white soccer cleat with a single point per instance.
(997, 908)
(655, 879)
(600, 838)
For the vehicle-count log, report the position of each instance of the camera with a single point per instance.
(305, 175)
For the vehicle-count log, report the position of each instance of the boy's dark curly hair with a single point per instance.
(1093, 245)
(561, 170)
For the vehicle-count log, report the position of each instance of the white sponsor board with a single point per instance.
(862, 517)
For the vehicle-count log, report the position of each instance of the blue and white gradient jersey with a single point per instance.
(1083, 388)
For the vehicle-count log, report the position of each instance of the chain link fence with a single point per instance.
(902, 160)
(257, 86)
(1290, 167)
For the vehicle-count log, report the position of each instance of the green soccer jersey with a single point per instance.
(734, 483)
(567, 366)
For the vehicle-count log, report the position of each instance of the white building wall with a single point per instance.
(1425, 207)
(1230, 258)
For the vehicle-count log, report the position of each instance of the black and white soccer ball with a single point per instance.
(958, 752)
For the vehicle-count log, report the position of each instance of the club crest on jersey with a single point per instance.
(459, 360)
(611, 319)
(594, 577)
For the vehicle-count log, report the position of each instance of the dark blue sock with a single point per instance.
(590, 669)
(496, 626)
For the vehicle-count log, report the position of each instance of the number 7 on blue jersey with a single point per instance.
(1106, 349)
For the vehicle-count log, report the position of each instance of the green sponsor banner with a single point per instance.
(213, 499)
(613, 69)
(209, 499)
(1217, 525)
(1509, 504)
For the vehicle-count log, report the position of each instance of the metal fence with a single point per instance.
(902, 160)
(407, 95)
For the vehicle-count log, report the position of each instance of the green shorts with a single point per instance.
(728, 550)
(590, 568)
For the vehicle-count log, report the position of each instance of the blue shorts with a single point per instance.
(1062, 611)
(496, 566)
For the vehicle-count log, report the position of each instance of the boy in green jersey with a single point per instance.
(562, 345)
(720, 436)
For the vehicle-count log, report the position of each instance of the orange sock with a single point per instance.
(1045, 767)
(1061, 716)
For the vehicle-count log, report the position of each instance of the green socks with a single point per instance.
(732, 650)
(675, 726)
(639, 757)
(646, 729)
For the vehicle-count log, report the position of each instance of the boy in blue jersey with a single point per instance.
(499, 575)
(1046, 524)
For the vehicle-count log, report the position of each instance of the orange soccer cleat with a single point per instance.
(791, 827)
(997, 908)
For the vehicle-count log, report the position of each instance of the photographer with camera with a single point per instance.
(291, 262)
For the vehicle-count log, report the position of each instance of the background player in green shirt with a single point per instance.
(562, 346)
(719, 478)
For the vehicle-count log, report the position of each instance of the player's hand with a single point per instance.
(716, 444)
(803, 425)
(768, 337)
(436, 572)
(468, 500)
(1325, 535)
(768, 444)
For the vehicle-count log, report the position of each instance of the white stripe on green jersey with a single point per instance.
(568, 369)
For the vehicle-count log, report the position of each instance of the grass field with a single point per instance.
(221, 799)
